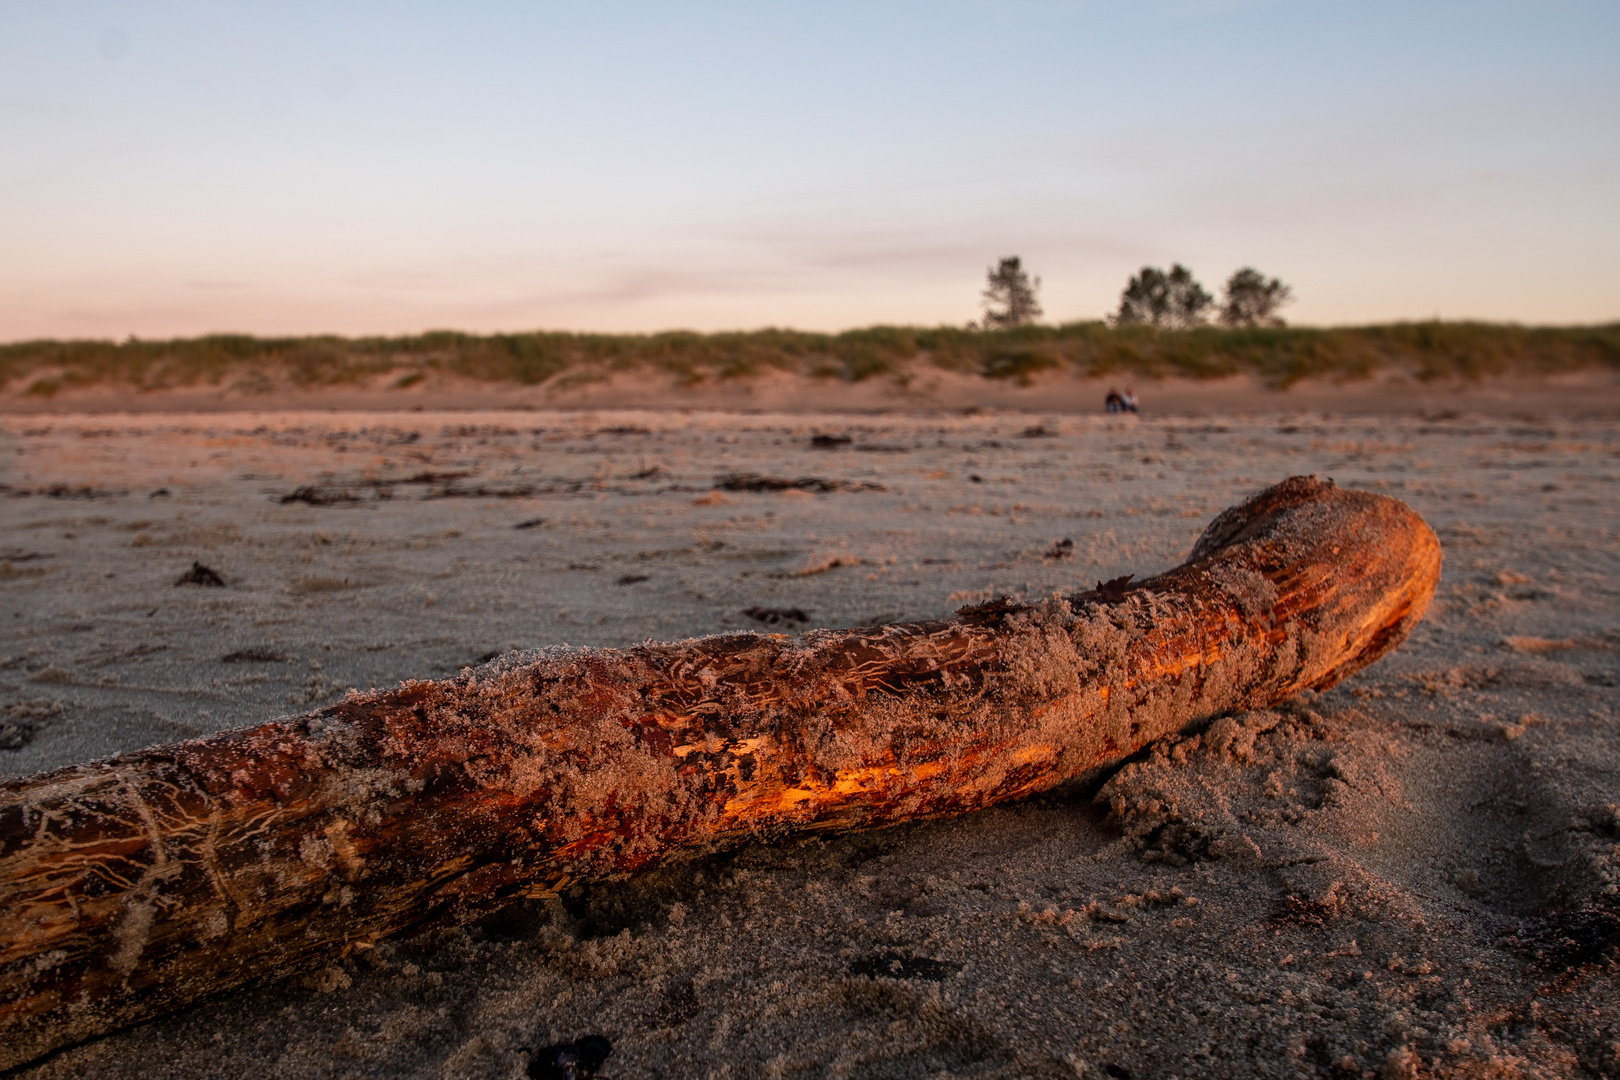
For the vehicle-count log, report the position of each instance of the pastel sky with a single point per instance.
(174, 168)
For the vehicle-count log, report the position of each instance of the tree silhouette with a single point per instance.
(1009, 296)
(1173, 301)
(1251, 300)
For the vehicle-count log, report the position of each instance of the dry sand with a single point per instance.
(1357, 884)
(1592, 393)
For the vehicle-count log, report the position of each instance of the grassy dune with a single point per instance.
(1427, 350)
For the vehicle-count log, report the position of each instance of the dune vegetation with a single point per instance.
(1278, 355)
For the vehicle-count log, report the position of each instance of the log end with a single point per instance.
(1364, 564)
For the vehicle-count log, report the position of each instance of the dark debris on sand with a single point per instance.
(314, 496)
(201, 575)
(577, 1060)
(22, 721)
(773, 616)
(751, 481)
(255, 656)
(897, 965)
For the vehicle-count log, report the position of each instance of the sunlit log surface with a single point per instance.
(133, 886)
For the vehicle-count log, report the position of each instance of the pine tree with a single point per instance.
(1009, 296)
(1251, 300)
(1173, 301)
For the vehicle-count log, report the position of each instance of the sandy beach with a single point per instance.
(1414, 874)
(921, 389)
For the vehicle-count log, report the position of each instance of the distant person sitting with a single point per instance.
(1129, 400)
(1113, 402)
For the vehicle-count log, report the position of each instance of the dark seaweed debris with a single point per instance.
(577, 1060)
(15, 734)
(829, 442)
(254, 656)
(315, 496)
(771, 616)
(201, 575)
(748, 481)
(895, 965)
(483, 491)
(435, 477)
(81, 491)
(20, 723)
(61, 491)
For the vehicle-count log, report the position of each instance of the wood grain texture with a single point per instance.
(133, 886)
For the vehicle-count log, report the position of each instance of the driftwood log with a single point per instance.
(136, 885)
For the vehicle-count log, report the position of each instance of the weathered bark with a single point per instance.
(136, 885)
